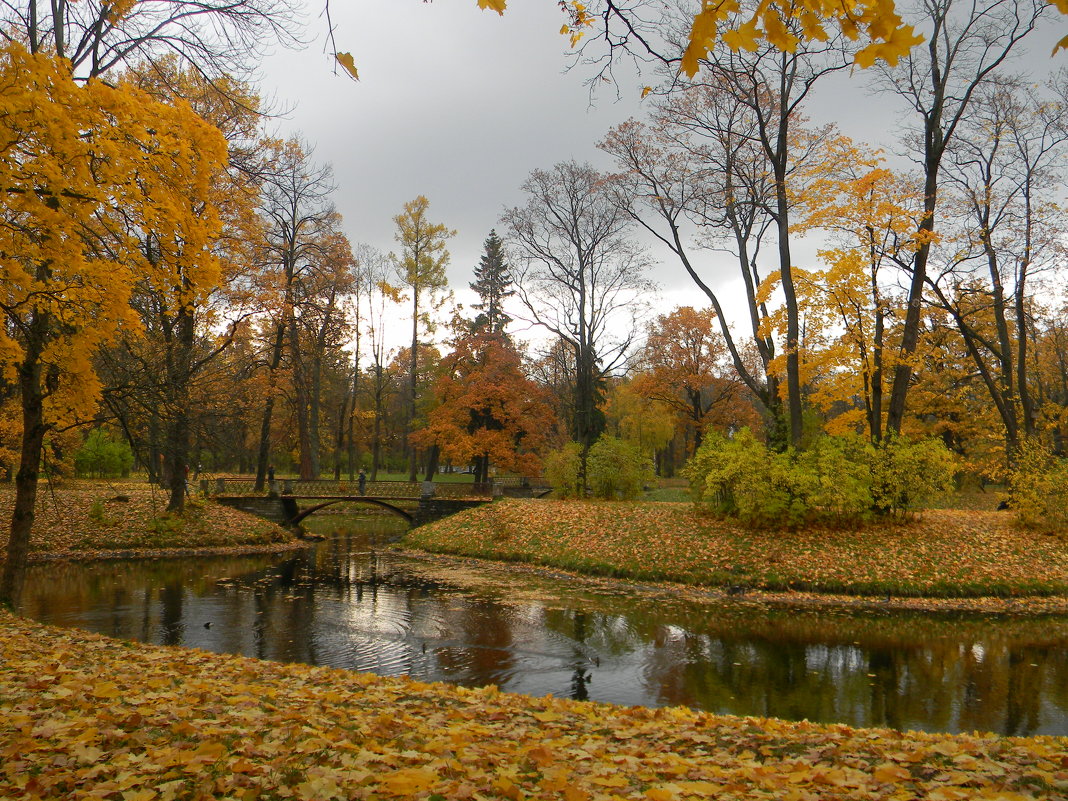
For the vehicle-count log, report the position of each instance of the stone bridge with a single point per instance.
(417, 502)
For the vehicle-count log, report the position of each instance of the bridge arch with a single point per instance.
(296, 521)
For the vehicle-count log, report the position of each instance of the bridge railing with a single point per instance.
(327, 486)
(453, 490)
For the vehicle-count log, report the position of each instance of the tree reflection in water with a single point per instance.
(348, 604)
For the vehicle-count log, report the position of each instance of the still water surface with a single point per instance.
(349, 603)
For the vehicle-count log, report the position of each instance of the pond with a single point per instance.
(352, 603)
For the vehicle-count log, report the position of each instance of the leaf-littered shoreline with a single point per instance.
(104, 555)
(82, 715)
(89, 520)
(458, 570)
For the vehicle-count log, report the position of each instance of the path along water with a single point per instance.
(352, 603)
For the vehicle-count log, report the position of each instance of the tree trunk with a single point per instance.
(875, 415)
(353, 453)
(314, 409)
(376, 434)
(263, 454)
(432, 460)
(301, 402)
(793, 328)
(413, 377)
(910, 333)
(697, 412)
(339, 438)
(33, 433)
(179, 370)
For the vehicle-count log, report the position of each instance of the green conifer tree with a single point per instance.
(493, 283)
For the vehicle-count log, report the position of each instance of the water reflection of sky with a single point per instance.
(346, 606)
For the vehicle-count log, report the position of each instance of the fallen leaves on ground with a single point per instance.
(942, 553)
(86, 519)
(85, 716)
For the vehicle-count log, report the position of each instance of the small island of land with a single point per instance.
(942, 553)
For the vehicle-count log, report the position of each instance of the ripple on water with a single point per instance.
(350, 606)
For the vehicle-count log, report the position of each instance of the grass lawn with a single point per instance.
(86, 518)
(444, 478)
(84, 716)
(943, 553)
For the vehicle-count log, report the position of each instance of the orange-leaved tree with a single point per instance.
(489, 412)
(72, 158)
(687, 367)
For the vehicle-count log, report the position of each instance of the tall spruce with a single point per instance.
(493, 283)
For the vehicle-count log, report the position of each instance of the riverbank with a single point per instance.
(942, 554)
(116, 520)
(86, 714)
(522, 579)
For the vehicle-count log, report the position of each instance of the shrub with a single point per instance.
(616, 469)
(838, 473)
(1038, 487)
(563, 469)
(740, 477)
(840, 480)
(102, 457)
(98, 514)
(907, 474)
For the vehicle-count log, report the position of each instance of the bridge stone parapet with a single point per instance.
(285, 511)
(276, 509)
(433, 508)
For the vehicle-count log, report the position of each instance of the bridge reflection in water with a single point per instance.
(347, 603)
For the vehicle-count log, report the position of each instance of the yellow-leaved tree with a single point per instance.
(83, 170)
(644, 28)
(852, 310)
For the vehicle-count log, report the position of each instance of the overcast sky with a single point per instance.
(461, 105)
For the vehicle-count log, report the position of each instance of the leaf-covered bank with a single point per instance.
(87, 716)
(943, 553)
(86, 519)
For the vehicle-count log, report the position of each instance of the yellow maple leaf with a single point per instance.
(889, 772)
(744, 37)
(346, 61)
(106, 689)
(493, 5)
(610, 781)
(699, 787)
(409, 781)
(547, 717)
(901, 41)
(541, 756)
